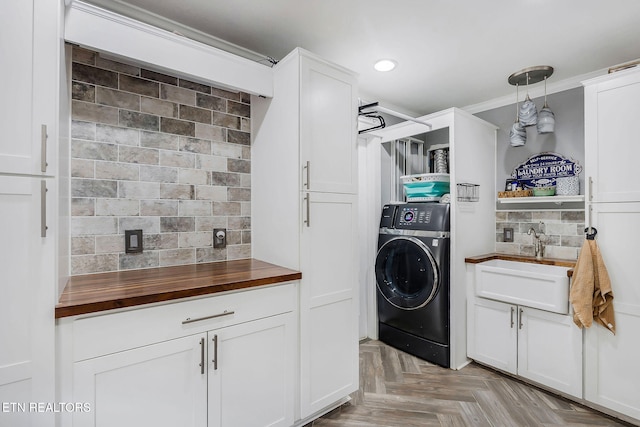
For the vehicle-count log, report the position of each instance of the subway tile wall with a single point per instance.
(563, 232)
(159, 153)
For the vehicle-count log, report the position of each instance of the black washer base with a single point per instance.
(424, 349)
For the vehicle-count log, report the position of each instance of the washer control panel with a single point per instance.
(422, 216)
(414, 215)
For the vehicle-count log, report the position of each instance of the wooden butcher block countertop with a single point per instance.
(522, 258)
(105, 291)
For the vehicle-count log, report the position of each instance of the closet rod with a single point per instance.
(375, 106)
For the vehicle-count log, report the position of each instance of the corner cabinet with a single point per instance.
(304, 192)
(232, 365)
(612, 373)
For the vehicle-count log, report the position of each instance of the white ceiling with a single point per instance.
(450, 53)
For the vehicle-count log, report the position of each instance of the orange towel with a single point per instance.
(591, 295)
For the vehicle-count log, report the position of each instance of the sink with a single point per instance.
(533, 285)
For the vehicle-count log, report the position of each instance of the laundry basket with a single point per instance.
(426, 187)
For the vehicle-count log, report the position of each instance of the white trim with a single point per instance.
(570, 83)
(158, 21)
(144, 44)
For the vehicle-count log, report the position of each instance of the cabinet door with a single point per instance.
(251, 371)
(29, 43)
(611, 138)
(328, 301)
(612, 371)
(550, 350)
(26, 303)
(494, 333)
(328, 113)
(158, 385)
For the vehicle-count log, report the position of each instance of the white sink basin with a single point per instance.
(533, 285)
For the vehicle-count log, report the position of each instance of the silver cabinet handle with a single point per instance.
(197, 319)
(215, 352)
(43, 148)
(308, 202)
(202, 356)
(590, 188)
(520, 317)
(512, 312)
(43, 209)
(306, 167)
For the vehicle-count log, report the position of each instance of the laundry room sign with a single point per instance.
(541, 170)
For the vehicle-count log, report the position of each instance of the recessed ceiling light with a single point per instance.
(385, 65)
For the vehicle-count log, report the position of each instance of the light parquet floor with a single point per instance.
(399, 390)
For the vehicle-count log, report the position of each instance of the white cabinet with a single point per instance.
(26, 306)
(29, 48)
(250, 375)
(538, 345)
(328, 302)
(327, 128)
(304, 185)
(176, 367)
(611, 138)
(612, 373)
(550, 350)
(160, 385)
(493, 334)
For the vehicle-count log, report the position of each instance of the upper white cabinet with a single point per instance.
(611, 137)
(29, 46)
(327, 128)
(612, 112)
(304, 185)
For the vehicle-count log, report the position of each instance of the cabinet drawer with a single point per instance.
(109, 332)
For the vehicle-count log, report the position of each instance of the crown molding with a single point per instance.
(561, 86)
(155, 20)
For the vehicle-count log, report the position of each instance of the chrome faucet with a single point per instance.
(538, 244)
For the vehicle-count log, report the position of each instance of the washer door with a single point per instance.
(406, 273)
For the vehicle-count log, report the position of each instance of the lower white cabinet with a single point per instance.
(541, 346)
(328, 302)
(229, 370)
(158, 385)
(250, 373)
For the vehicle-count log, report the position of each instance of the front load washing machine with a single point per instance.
(412, 277)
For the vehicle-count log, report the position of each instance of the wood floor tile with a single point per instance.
(399, 390)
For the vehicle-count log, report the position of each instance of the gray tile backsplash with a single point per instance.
(160, 153)
(563, 232)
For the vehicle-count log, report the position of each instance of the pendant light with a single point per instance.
(518, 134)
(527, 115)
(546, 118)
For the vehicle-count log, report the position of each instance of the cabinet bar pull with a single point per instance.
(215, 352)
(512, 311)
(307, 220)
(197, 319)
(43, 148)
(43, 209)
(590, 188)
(202, 356)
(306, 167)
(520, 319)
